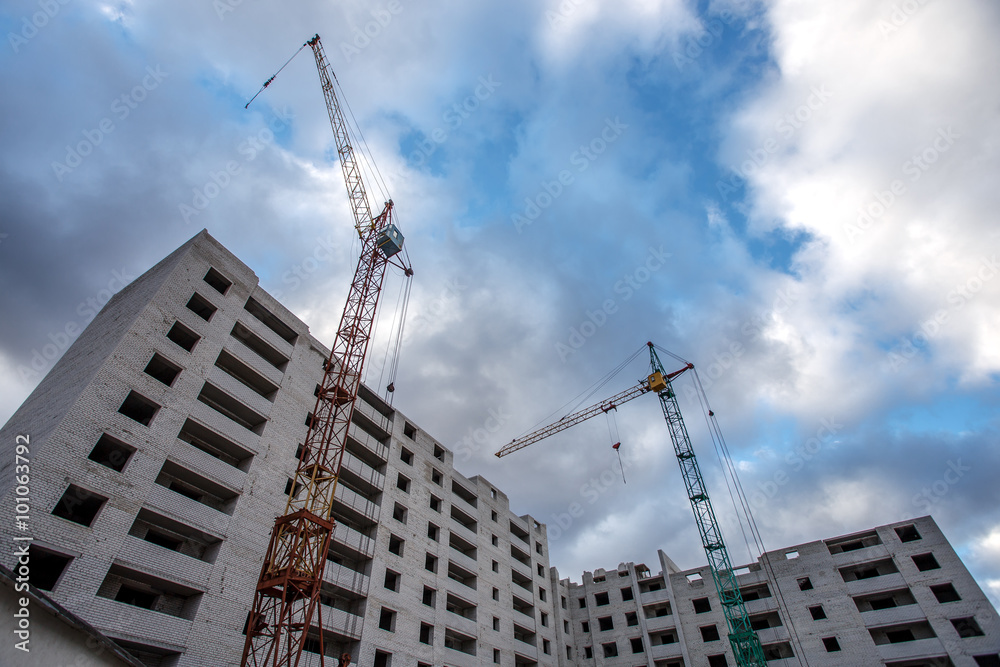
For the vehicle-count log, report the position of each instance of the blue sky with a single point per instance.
(798, 198)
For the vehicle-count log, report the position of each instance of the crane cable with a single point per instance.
(586, 394)
(268, 82)
(726, 459)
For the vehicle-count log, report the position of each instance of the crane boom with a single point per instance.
(574, 419)
(287, 598)
(742, 638)
(649, 384)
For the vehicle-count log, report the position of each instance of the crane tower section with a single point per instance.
(286, 601)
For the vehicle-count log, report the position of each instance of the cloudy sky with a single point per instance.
(798, 197)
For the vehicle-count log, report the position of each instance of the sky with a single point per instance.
(799, 198)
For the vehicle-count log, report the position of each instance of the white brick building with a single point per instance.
(896, 595)
(162, 446)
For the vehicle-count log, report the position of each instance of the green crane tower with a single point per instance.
(742, 638)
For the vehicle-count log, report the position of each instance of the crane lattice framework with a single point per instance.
(742, 638)
(286, 601)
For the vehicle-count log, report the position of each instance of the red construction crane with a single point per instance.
(286, 602)
(742, 638)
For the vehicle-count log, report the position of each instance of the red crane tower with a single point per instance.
(286, 601)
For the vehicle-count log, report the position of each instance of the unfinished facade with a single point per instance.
(895, 595)
(164, 442)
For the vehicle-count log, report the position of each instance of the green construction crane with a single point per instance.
(742, 638)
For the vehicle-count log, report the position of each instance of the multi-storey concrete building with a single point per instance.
(163, 444)
(895, 595)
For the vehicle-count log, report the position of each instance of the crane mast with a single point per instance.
(287, 597)
(742, 638)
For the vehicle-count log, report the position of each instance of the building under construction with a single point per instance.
(165, 442)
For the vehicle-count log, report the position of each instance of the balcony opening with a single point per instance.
(111, 452)
(899, 634)
(270, 320)
(464, 519)
(869, 570)
(778, 651)
(162, 369)
(215, 445)
(460, 607)
(461, 575)
(755, 592)
(232, 408)
(462, 546)
(201, 307)
(175, 536)
(458, 642)
(147, 591)
(79, 505)
(853, 543)
(182, 336)
(246, 375)
(139, 408)
(463, 493)
(188, 483)
(217, 281)
(264, 350)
